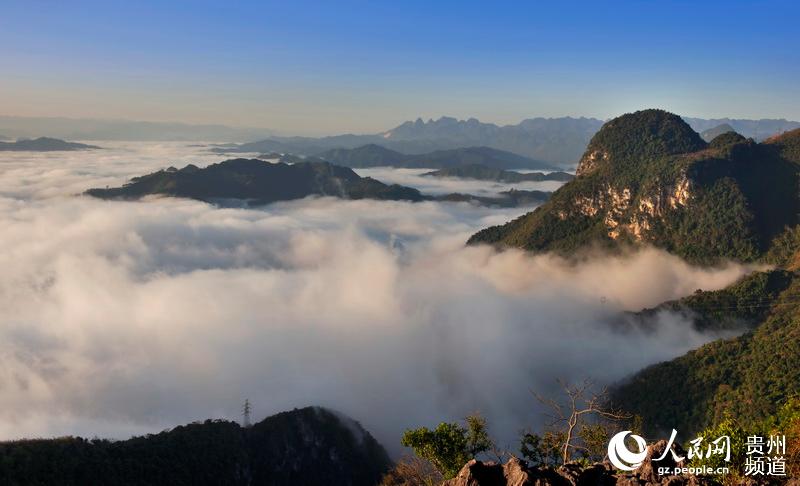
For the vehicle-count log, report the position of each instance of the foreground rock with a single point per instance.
(516, 472)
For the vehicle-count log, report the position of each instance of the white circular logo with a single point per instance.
(621, 457)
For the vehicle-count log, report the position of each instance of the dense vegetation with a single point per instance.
(742, 305)
(484, 173)
(648, 178)
(310, 446)
(258, 182)
(748, 377)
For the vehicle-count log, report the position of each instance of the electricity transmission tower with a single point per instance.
(246, 413)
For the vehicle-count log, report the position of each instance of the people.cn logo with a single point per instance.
(623, 458)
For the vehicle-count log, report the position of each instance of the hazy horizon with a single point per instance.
(357, 67)
(270, 131)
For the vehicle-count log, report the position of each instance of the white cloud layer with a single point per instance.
(123, 318)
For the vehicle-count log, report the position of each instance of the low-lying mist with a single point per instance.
(446, 185)
(130, 317)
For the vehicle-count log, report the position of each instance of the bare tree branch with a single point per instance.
(581, 405)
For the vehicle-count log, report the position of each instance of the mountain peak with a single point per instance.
(630, 138)
(648, 178)
(712, 133)
(726, 138)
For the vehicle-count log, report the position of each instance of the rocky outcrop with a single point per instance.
(590, 161)
(516, 472)
(622, 214)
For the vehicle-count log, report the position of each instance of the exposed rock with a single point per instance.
(516, 472)
(590, 161)
(649, 472)
(513, 473)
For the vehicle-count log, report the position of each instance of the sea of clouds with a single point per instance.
(130, 317)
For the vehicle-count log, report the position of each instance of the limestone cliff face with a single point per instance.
(624, 212)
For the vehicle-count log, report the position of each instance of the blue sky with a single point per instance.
(349, 66)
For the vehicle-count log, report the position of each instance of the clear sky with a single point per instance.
(350, 66)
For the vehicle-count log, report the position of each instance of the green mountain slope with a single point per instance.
(309, 446)
(743, 305)
(748, 377)
(648, 178)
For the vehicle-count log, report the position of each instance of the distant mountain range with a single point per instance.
(44, 144)
(758, 130)
(555, 141)
(376, 156)
(712, 133)
(310, 446)
(558, 141)
(484, 173)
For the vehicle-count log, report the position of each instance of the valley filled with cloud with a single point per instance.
(130, 317)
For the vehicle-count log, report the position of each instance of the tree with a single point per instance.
(450, 445)
(582, 422)
(541, 450)
(737, 437)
